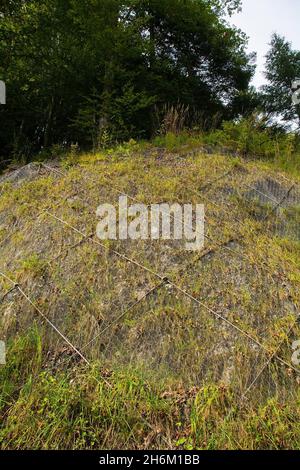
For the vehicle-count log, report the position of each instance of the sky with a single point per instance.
(260, 18)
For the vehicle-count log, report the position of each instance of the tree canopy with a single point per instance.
(76, 68)
(282, 69)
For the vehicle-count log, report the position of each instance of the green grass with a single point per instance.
(99, 409)
(167, 374)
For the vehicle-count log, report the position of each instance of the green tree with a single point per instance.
(77, 68)
(282, 69)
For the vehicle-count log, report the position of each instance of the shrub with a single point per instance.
(251, 137)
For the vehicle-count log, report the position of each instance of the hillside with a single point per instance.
(142, 344)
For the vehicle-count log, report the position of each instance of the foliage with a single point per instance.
(84, 409)
(253, 137)
(92, 71)
(282, 68)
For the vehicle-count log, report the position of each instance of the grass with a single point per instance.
(165, 373)
(76, 409)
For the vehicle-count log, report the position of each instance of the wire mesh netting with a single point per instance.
(195, 317)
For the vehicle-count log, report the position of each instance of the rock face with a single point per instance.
(280, 199)
(270, 192)
(20, 175)
(117, 311)
(26, 173)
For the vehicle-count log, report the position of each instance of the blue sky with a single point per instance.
(260, 18)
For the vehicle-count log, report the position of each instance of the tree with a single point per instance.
(282, 69)
(108, 63)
